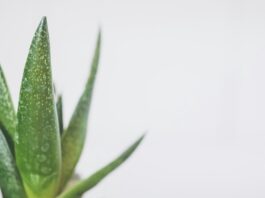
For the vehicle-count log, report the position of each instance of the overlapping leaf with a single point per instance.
(59, 106)
(93, 180)
(38, 147)
(74, 136)
(10, 182)
(8, 119)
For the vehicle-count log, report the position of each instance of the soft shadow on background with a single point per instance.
(190, 72)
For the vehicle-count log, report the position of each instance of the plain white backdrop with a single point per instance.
(191, 73)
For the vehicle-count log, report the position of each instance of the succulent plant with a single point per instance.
(38, 155)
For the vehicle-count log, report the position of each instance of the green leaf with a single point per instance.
(59, 106)
(10, 182)
(8, 118)
(93, 180)
(38, 149)
(74, 136)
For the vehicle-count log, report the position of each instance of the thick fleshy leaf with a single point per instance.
(38, 149)
(83, 186)
(59, 106)
(74, 136)
(10, 182)
(8, 118)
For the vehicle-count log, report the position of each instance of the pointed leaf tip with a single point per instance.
(99, 39)
(99, 34)
(42, 27)
(142, 138)
(44, 18)
(43, 21)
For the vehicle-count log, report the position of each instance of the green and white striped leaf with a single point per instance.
(10, 182)
(74, 137)
(8, 118)
(38, 149)
(87, 184)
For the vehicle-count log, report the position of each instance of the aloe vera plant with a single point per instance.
(38, 155)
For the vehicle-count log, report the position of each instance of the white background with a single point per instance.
(190, 72)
